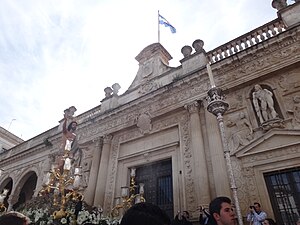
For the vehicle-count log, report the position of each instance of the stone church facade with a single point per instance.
(162, 119)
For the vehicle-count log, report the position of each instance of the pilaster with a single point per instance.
(220, 176)
(102, 172)
(91, 188)
(197, 145)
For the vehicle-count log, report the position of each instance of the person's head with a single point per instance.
(256, 206)
(221, 211)
(14, 218)
(186, 214)
(257, 87)
(145, 213)
(72, 126)
(268, 221)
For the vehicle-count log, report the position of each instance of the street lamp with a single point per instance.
(218, 106)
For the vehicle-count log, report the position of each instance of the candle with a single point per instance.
(124, 192)
(117, 201)
(137, 199)
(210, 75)
(47, 178)
(132, 173)
(77, 181)
(77, 171)
(67, 165)
(142, 188)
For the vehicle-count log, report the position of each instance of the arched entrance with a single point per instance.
(27, 190)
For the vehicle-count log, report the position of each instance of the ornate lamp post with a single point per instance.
(218, 106)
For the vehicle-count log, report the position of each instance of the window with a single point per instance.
(284, 191)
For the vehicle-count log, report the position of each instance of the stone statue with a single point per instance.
(3, 195)
(279, 4)
(69, 140)
(108, 92)
(243, 132)
(198, 45)
(264, 104)
(116, 87)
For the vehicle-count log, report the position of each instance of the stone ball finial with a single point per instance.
(186, 50)
(116, 87)
(108, 91)
(279, 4)
(198, 45)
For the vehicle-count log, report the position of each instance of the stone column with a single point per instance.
(220, 176)
(12, 200)
(102, 172)
(90, 191)
(197, 145)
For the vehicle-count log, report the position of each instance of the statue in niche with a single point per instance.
(264, 104)
(243, 132)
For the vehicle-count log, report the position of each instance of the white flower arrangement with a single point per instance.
(43, 217)
(40, 213)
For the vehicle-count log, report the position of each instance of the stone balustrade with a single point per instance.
(247, 40)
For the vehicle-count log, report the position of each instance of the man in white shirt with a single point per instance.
(256, 216)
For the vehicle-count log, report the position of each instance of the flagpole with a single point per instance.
(158, 34)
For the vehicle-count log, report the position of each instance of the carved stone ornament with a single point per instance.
(279, 4)
(198, 45)
(144, 123)
(186, 51)
(148, 87)
(295, 111)
(273, 123)
(147, 69)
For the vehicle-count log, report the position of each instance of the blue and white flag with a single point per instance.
(165, 22)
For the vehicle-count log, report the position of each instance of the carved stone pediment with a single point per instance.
(271, 141)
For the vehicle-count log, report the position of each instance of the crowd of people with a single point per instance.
(220, 212)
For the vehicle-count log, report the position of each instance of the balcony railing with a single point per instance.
(247, 40)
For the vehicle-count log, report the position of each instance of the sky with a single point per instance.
(59, 53)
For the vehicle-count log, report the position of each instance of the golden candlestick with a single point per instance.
(65, 186)
(128, 195)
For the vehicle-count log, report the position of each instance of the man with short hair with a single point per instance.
(145, 213)
(14, 218)
(221, 212)
(256, 216)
